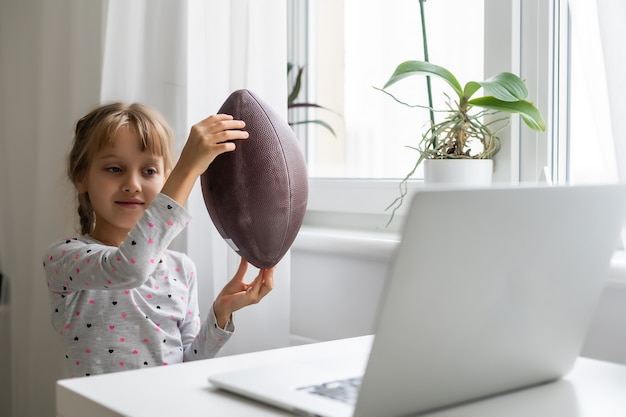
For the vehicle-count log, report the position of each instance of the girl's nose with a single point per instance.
(132, 183)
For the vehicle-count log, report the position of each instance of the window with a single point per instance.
(348, 47)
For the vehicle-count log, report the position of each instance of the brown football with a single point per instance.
(257, 194)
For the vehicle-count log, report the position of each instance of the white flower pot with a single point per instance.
(466, 172)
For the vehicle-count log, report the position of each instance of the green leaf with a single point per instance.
(302, 105)
(470, 88)
(410, 68)
(529, 113)
(506, 87)
(311, 105)
(296, 88)
(318, 122)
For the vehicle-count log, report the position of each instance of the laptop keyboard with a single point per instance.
(345, 390)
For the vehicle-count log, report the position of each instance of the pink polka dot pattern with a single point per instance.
(108, 304)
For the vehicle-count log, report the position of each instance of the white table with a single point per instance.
(592, 389)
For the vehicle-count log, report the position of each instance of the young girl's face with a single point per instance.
(122, 181)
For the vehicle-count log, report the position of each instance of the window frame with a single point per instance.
(526, 156)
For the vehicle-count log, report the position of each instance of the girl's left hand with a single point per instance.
(236, 294)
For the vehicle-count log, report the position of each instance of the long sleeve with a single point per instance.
(111, 268)
(202, 339)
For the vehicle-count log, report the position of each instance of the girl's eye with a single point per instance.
(150, 171)
(114, 169)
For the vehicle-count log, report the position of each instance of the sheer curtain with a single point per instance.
(590, 107)
(611, 18)
(185, 58)
(598, 27)
(58, 59)
(242, 44)
(49, 73)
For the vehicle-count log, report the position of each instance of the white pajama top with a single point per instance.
(130, 307)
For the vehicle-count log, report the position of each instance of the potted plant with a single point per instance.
(465, 133)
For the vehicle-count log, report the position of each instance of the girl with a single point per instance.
(120, 299)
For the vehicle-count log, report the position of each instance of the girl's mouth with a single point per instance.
(130, 204)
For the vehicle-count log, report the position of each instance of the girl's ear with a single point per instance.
(81, 185)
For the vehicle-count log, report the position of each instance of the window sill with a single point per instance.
(355, 205)
(380, 245)
(342, 242)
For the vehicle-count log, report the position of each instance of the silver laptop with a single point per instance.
(490, 290)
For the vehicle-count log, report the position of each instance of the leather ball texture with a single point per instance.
(257, 194)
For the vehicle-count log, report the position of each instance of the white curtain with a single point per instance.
(50, 63)
(185, 58)
(59, 59)
(242, 44)
(611, 19)
(591, 104)
(599, 30)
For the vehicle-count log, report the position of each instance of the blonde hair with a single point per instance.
(98, 129)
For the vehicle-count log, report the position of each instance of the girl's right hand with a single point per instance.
(207, 139)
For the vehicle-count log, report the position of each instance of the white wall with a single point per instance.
(336, 280)
(606, 339)
(333, 295)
